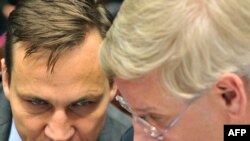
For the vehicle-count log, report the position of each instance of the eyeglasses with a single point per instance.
(147, 127)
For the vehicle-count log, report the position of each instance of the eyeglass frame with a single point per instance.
(147, 127)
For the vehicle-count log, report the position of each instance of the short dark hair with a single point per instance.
(53, 25)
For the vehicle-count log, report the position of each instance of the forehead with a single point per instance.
(147, 93)
(76, 68)
(85, 53)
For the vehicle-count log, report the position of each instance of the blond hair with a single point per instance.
(192, 42)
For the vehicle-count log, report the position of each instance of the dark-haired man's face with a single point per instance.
(66, 104)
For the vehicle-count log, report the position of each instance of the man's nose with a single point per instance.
(59, 127)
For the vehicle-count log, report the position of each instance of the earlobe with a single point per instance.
(233, 94)
(5, 78)
(113, 91)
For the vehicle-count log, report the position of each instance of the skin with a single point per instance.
(7, 9)
(68, 104)
(205, 116)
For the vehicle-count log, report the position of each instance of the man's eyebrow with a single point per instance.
(89, 97)
(28, 96)
(144, 109)
(141, 108)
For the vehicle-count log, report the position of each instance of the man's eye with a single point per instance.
(82, 103)
(37, 102)
(155, 120)
(37, 106)
(156, 117)
(144, 117)
(83, 107)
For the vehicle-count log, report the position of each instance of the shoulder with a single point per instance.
(118, 117)
(128, 135)
(5, 119)
(116, 124)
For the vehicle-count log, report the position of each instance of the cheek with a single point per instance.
(197, 124)
(89, 128)
(23, 120)
(28, 124)
(91, 125)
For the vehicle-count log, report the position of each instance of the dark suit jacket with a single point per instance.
(128, 135)
(115, 125)
(5, 117)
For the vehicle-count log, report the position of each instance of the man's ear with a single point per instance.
(113, 91)
(233, 94)
(5, 78)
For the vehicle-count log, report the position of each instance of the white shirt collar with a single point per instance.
(14, 136)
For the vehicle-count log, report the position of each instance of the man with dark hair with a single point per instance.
(51, 74)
